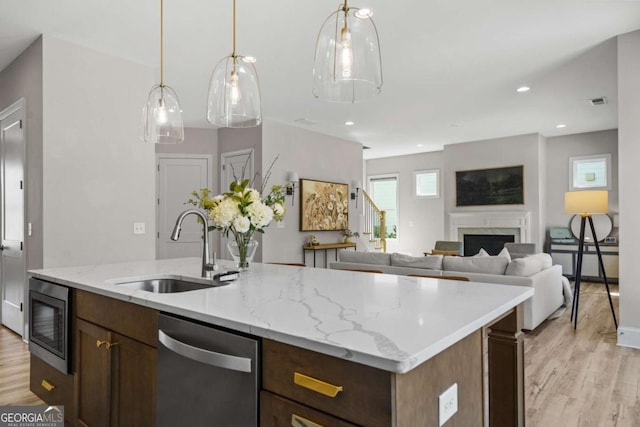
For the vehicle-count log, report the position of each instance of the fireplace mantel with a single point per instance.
(520, 220)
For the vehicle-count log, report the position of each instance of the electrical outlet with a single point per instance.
(138, 228)
(448, 403)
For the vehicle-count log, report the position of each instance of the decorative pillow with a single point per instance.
(505, 253)
(481, 253)
(529, 265)
(439, 252)
(482, 264)
(429, 262)
(377, 258)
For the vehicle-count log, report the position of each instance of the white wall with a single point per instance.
(421, 220)
(493, 153)
(629, 202)
(23, 79)
(98, 177)
(559, 149)
(313, 156)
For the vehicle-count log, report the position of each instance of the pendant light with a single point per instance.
(234, 90)
(347, 65)
(162, 115)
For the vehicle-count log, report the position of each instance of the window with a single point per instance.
(384, 192)
(590, 172)
(427, 183)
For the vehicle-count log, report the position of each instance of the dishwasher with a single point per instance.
(206, 376)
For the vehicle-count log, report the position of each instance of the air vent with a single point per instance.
(598, 101)
(364, 147)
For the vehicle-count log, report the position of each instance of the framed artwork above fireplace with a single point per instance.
(497, 186)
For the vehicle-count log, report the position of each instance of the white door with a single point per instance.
(177, 177)
(12, 263)
(233, 165)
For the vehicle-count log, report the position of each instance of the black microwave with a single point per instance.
(49, 323)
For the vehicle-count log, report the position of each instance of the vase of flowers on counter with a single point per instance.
(240, 213)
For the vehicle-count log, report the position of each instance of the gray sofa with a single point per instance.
(535, 271)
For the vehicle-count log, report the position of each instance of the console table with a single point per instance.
(566, 254)
(324, 247)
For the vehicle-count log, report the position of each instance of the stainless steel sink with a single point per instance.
(165, 286)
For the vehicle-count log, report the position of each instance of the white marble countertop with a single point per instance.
(386, 321)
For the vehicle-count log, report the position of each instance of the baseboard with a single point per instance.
(629, 337)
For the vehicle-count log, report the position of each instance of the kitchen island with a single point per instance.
(407, 330)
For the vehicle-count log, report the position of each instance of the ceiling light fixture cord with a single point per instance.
(234, 30)
(161, 43)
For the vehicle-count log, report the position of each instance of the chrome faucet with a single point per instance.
(207, 267)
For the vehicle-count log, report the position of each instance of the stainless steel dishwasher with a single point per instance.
(206, 376)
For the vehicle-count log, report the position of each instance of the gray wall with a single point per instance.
(23, 79)
(559, 149)
(421, 220)
(312, 156)
(98, 177)
(493, 153)
(629, 202)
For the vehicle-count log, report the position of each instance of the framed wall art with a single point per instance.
(323, 205)
(498, 186)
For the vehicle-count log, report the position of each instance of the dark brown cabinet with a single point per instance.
(115, 362)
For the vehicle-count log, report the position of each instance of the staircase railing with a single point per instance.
(374, 223)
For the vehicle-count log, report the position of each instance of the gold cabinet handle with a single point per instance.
(106, 344)
(47, 385)
(298, 421)
(316, 385)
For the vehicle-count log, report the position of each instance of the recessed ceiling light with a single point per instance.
(349, 123)
(364, 13)
(420, 145)
(561, 126)
(523, 89)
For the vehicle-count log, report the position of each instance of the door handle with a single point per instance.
(3, 247)
(220, 360)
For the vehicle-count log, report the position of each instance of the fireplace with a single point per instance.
(492, 243)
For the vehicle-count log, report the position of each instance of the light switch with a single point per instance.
(280, 224)
(138, 228)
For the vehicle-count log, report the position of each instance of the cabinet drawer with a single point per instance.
(276, 411)
(51, 385)
(132, 320)
(363, 395)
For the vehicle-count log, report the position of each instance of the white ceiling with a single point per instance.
(450, 67)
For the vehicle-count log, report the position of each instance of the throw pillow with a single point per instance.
(481, 253)
(429, 262)
(505, 253)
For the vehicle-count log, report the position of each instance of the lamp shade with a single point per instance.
(586, 202)
(162, 117)
(347, 65)
(293, 177)
(234, 94)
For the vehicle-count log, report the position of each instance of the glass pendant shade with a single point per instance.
(162, 117)
(234, 94)
(347, 65)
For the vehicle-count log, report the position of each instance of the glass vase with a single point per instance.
(242, 249)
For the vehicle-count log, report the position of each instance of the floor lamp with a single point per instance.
(586, 204)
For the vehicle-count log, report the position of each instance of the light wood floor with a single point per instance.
(582, 378)
(14, 371)
(573, 378)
